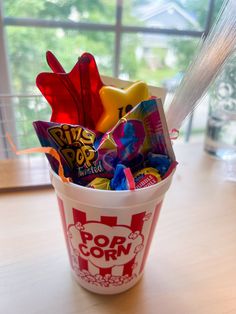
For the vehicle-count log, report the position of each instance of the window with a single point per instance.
(153, 40)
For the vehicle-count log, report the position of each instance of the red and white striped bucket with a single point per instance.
(108, 233)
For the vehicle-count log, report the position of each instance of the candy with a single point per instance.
(146, 177)
(159, 162)
(118, 102)
(123, 179)
(100, 184)
(76, 146)
(87, 155)
(74, 97)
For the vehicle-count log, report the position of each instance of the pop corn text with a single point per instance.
(102, 246)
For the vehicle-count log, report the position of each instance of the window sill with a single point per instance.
(27, 173)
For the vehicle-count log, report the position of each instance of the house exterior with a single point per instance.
(166, 16)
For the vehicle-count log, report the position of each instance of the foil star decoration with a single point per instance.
(117, 102)
(74, 96)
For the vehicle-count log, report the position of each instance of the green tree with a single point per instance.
(27, 47)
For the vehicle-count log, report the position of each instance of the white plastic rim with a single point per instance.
(108, 233)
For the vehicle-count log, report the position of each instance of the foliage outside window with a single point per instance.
(156, 58)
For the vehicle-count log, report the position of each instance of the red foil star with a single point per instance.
(74, 97)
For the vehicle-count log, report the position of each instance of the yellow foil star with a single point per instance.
(117, 102)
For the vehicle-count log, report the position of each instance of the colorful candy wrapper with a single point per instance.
(159, 162)
(139, 133)
(87, 155)
(146, 177)
(75, 144)
(123, 179)
(100, 184)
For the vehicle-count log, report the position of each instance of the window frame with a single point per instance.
(118, 28)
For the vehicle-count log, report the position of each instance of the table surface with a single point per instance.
(191, 267)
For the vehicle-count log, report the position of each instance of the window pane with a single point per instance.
(217, 6)
(102, 11)
(27, 47)
(182, 14)
(27, 110)
(157, 59)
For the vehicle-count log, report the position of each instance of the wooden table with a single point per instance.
(191, 268)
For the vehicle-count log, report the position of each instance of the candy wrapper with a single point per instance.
(139, 139)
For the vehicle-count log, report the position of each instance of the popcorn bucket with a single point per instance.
(108, 233)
